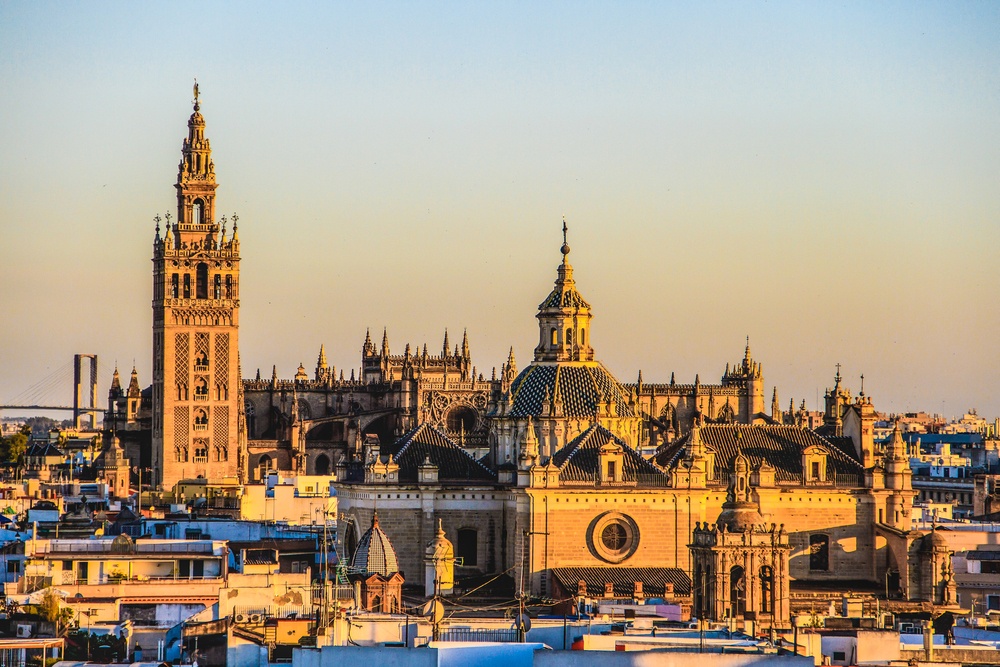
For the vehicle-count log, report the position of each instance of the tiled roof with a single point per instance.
(453, 462)
(781, 446)
(623, 579)
(375, 554)
(580, 386)
(563, 298)
(44, 449)
(578, 460)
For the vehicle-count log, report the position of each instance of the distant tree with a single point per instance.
(52, 610)
(12, 449)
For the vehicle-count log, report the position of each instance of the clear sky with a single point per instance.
(822, 177)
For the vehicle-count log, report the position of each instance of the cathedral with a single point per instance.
(557, 475)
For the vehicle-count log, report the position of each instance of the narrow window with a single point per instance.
(555, 338)
(819, 552)
(583, 336)
(196, 212)
(815, 470)
(202, 281)
(569, 337)
(218, 287)
(174, 286)
(468, 547)
(611, 471)
(766, 588)
(229, 287)
(187, 285)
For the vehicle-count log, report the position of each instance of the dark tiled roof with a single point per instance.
(623, 578)
(578, 460)
(563, 298)
(44, 449)
(453, 462)
(781, 446)
(580, 386)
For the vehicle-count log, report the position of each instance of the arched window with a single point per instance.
(174, 286)
(196, 210)
(376, 604)
(461, 420)
(819, 552)
(555, 337)
(737, 592)
(263, 465)
(468, 547)
(187, 285)
(202, 283)
(251, 417)
(766, 589)
(322, 464)
(229, 287)
(217, 293)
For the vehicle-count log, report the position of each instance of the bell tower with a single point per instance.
(564, 318)
(196, 376)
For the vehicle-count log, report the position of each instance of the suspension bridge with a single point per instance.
(41, 396)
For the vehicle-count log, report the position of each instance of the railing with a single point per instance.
(201, 427)
(200, 459)
(201, 397)
(496, 635)
(201, 368)
(105, 547)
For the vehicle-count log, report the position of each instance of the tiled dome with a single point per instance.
(579, 385)
(375, 554)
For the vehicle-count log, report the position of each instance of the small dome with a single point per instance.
(739, 517)
(934, 541)
(375, 554)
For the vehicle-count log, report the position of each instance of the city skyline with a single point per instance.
(830, 194)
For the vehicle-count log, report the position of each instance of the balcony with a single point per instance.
(200, 368)
(201, 397)
(200, 427)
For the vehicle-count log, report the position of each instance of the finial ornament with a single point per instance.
(565, 245)
(196, 101)
(862, 384)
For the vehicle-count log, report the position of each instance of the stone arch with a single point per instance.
(321, 466)
(461, 418)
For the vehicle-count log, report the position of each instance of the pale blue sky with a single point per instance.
(822, 178)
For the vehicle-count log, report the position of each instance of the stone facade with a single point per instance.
(197, 387)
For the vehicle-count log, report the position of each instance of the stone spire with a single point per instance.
(133, 384)
(116, 385)
(196, 183)
(444, 348)
(465, 345)
(564, 317)
(775, 407)
(385, 342)
(368, 349)
(322, 367)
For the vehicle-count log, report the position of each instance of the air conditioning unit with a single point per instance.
(240, 618)
(256, 618)
(23, 631)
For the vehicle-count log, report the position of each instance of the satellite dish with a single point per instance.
(522, 622)
(434, 610)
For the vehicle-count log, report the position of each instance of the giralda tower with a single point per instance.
(196, 375)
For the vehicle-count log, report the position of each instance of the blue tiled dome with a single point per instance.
(580, 386)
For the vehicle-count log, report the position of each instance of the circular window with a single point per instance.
(613, 537)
